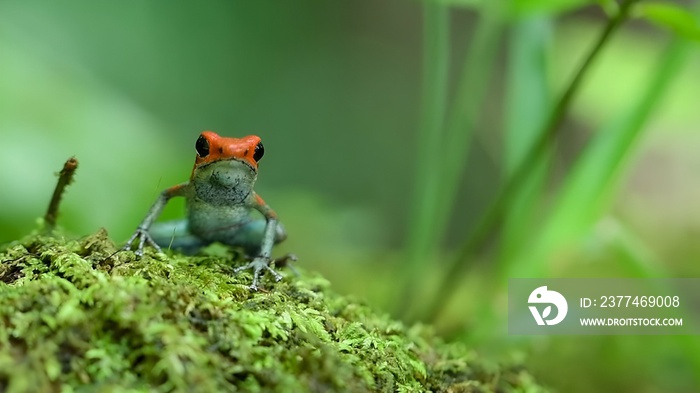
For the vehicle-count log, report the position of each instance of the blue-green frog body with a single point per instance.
(221, 205)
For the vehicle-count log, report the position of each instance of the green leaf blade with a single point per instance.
(672, 17)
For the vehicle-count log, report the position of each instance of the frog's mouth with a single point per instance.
(231, 162)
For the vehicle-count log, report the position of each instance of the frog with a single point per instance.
(221, 206)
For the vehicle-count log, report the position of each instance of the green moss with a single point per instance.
(75, 316)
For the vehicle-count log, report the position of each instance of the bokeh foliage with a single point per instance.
(353, 100)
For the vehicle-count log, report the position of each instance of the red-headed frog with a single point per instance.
(221, 206)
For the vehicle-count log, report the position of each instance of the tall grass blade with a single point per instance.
(527, 101)
(471, 91)
(593, 180)
(495, 211)
(421, 244)
(441, 189)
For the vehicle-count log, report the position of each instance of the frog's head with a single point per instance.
(230, 163)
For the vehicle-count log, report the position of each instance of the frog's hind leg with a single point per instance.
(250, 236)
(176, 236)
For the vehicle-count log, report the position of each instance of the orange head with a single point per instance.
(211, 148)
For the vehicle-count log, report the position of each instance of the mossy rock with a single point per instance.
(76, 316)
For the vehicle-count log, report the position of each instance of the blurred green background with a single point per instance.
(343, 97)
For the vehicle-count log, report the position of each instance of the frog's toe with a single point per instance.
(258, 265)
(143, 239)
(273, 272)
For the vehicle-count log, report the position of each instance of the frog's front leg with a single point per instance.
(262, 261)
(141, 232)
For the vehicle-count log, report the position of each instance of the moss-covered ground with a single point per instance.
(75, 316)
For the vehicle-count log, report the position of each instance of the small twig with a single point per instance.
(65, 177)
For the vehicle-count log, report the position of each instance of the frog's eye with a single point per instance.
(202, 146)
(259, 152)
